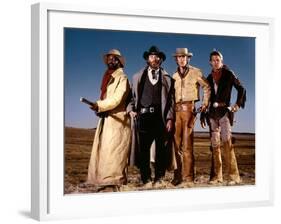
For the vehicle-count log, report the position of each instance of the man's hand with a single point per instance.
(169, 125)
(203, 108)
(203, 123)
(132, 114)
(94, 107)
(203, 120)
(234, 108)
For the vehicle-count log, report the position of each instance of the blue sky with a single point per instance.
(84, 67)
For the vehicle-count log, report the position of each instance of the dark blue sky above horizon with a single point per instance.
(84, 67)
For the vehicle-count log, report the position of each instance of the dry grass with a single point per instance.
(78, 145)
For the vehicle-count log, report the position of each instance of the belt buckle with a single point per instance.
(151, 109)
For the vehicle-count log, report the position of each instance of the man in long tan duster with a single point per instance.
(109, 157)
(188, 80)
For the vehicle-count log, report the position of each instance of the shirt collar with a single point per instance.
(156, 70)
(185, 71)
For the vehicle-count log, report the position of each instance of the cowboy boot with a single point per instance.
(231, 163)
(216, 167)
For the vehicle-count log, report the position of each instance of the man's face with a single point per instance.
(154, 61)
(112, 62)
(216, 62)
(182, 60)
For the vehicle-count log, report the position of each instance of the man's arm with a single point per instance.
(171, 103)
(241, 92)
(113, 101)
(131, 110)
(206, 89)
(170, 118)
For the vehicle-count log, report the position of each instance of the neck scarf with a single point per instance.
(105, 80)
(185, 71)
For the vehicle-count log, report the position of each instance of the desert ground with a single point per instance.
(77, 151)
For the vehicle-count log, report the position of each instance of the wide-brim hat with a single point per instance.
(182, 51)
(154, 51)
(116, 53)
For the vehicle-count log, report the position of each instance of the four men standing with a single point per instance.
(163, 111)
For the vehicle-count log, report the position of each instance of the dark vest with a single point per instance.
(151, 94)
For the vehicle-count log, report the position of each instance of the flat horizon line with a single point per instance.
(251, 133)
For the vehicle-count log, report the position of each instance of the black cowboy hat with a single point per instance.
(154, 50)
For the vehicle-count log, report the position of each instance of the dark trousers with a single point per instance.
(151, 128)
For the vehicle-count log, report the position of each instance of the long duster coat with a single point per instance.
(109, 157)
(167, 111)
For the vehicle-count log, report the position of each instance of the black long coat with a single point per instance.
(167, 109)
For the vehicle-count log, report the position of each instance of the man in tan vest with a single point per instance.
(188, 79)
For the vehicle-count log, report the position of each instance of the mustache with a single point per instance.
(113, 65)
(154, 63)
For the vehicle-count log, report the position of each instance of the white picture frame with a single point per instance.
(48, 200)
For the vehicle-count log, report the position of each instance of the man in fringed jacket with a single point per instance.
(222, 80)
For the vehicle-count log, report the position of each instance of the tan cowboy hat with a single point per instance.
(182, 51)
(116, 53)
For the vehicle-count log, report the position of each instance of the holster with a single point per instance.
(204, 118)
(231, 117)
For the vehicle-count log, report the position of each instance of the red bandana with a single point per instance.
(106, 77)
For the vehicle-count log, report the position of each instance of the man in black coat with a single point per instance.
(152, 105)
(221, 81)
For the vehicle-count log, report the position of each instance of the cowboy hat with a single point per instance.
(153, 50)
(182, 51)
(116, 53)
